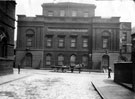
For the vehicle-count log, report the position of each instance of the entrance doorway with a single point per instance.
(28, 60)
(105, 62)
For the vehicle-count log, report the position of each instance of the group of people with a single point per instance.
(78, 66)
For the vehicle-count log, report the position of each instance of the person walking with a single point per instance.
(79, 68)
(109, 72)
(72, 65)
(19, 68)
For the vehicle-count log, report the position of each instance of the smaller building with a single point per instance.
(125, 40)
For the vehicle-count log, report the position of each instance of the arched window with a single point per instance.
(85, 60)
(72, 59)
(48, 59)
(60, 60)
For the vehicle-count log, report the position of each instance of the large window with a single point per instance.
(49, 42)
(60, 60)
(50, 13)
(72, 60)
(105, 42)
(86, 14)
(62, 13)
(105, 39)
(74, 13)
(61, 42)
(73, 42)
(48, 59)
(124, 38)
(85, 42)
(29, 38)
(29, 41)
(85, 60)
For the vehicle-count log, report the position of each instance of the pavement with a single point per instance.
(12, 77)
(106, 87)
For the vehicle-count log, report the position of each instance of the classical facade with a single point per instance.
(7, 20)
(68, 33)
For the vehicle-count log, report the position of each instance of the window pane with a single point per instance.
(61, 42)
(85, 60)
(48, 60)
(60, 60)
(62, 13)
(86, 14)
(85, 42)
(72, 60)
(29, 41)
(73, 42)
(74, 13)
(49, 42)
(29, 44)
(50, 13)
(105, 42)
(48, 63)
(124, 38)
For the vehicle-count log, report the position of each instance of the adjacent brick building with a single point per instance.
(68, 33)
(7, 21)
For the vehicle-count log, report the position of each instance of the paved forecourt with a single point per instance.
(43, 84)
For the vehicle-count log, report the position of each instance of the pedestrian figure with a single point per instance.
(109, 72)
(19, 68)
(72, 65)
(72, 69)
(79, 68)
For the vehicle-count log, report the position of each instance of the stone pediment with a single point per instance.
(126, 25)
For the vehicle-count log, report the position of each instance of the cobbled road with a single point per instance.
(50, 86)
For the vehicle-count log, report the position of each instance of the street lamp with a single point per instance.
(90, 56)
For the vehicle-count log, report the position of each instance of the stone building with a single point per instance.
(68, 33)
(125, 40)
(7, 21)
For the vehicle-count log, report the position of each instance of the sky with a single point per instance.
(104, 8)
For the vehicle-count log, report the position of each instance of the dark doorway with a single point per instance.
(28, 60)
(105, 62)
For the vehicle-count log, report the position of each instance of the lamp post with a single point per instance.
(90, 44)
(90, 56)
